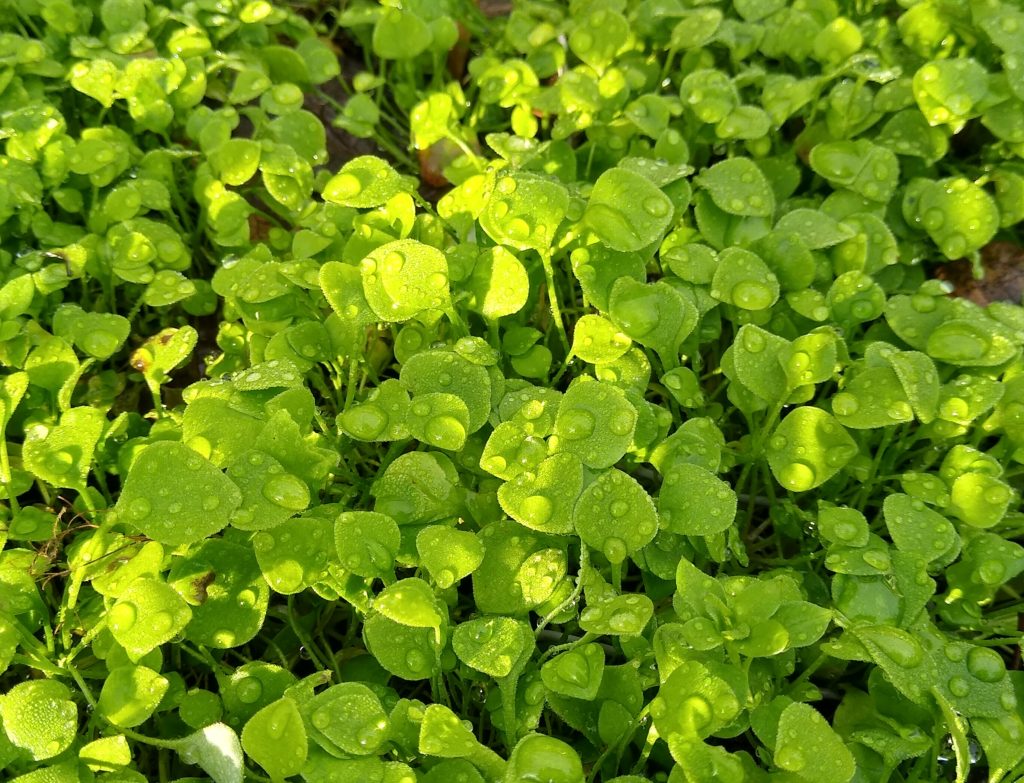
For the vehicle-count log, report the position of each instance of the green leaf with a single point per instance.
(147, 614)
(575, 673)
(439, 419)
(497, 646)
(417, 488)
(916, 529)
(743, 279)
(366, 542)
(98, 334)
(536, 756)
(524, 211)
(808, 448)
(499, 285)
(448, 373)
(175, 496)
(807, 746)
(948, 91)
(443, 734)
(40, 718)
(400, 34)
(106, 754)
(216, 750)
(693, 702)
(543, 499)
(958, 215)
(365, 182)
(347, 719)
(595, 422)
(293, 556)
(447, 554)
(62, 456)
(130, 695)
(865, 168)
(615, 515)
(275, 738)
(406, 652)
(738, 187)
(693, 501)
(618, 615)
(236, 160)
(410, 602)
(655, 315)
(162, 352)
(223, 583)
(402, 279)
(627, 211)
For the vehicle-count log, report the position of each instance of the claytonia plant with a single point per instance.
(572, 393)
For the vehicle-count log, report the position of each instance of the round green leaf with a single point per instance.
(40, 717)
(738, 187)
(130, 695)
(402, 279)
(275, 738)
(147, 614)
(175, 496)
(627, 211)
(807, 448)
(615, 515)
(694, 502)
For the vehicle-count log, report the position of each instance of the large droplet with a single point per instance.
(287, 491)
(122, 616)
(446, 432)
(752, 295)
(797, 476)
(985, 664)
(537, 509)
(365, 422)
(576, 424)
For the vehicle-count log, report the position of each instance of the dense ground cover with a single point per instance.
(613, 426)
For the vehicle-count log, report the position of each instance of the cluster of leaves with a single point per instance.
(649, 451)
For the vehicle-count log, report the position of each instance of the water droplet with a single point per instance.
(161, 622)
(416, 661)
(322, 718)
(958, 686)
(877, 559)
(287, 491)
(366, 421)
(210, 502)
(752, 295)
(572, 668)
(985, 664)
(122, 616)
(446, 432)
(845, 404)
(537, 509)
(139, 509)
(576, 424)
(621, 423)
(991, 572)
(790, 758)
(614, 549)
(346, 186)
(797, 476)
(517, 228)
(656, 206)
(582, 40)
